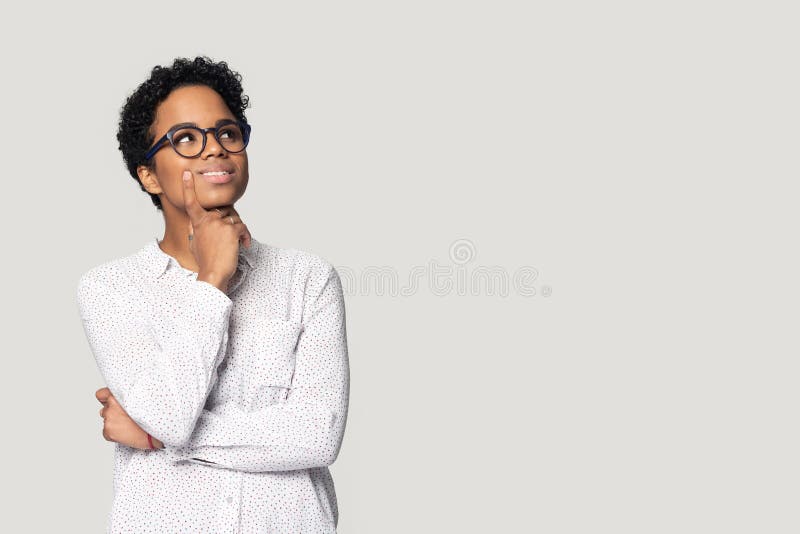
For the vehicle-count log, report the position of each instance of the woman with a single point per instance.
(225, 358)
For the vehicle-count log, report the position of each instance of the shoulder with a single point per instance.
(110, 277)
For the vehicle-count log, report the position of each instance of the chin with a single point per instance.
(217, 201)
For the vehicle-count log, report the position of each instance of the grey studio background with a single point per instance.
(635, 161)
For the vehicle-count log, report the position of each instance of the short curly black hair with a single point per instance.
(137, 115)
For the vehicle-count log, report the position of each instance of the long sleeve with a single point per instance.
(160, 362)
(306, 429)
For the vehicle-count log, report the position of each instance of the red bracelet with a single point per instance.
(150, 441)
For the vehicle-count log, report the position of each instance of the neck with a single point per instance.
(176, 238)
(177, 246)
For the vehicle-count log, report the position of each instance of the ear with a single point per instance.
(149, 179)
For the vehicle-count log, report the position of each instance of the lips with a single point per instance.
(218, 174)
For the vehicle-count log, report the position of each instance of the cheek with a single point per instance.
(242, 167)
(169, 176)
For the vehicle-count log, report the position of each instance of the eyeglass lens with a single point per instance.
(188, 141)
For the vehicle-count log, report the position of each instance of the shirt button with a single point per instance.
(229, 499)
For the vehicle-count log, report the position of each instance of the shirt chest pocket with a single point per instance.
(269, 361)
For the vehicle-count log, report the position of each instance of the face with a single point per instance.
(202, 106)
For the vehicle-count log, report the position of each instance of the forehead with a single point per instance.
(196, 103)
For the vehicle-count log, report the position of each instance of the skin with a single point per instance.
(191, 205)
(118, 426)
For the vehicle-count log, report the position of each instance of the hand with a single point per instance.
(118, 426)
(226, 212)
(215, 241)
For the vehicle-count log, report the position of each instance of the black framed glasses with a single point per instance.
(189, 140)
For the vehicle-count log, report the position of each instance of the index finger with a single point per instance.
(195, 211)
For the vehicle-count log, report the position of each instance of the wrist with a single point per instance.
(154, 443)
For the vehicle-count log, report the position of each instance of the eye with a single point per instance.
(230, 133)
(183, 137)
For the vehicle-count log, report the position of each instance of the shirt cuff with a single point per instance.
(213, 292)
(184, 454)
(175, 454)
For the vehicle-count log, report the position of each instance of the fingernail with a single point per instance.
(186, 176)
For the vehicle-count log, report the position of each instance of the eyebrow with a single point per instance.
(194, 124)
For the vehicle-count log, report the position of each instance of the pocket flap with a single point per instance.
(274, 352)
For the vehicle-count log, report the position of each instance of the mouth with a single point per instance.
(217, 175)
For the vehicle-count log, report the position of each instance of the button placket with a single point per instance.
(229, 494)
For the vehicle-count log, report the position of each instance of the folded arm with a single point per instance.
(303, 431)
(160, 368)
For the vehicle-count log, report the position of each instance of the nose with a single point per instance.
(213, 147)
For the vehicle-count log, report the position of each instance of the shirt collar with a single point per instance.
(155, 261)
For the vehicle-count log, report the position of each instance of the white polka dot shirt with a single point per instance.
(248, 390)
